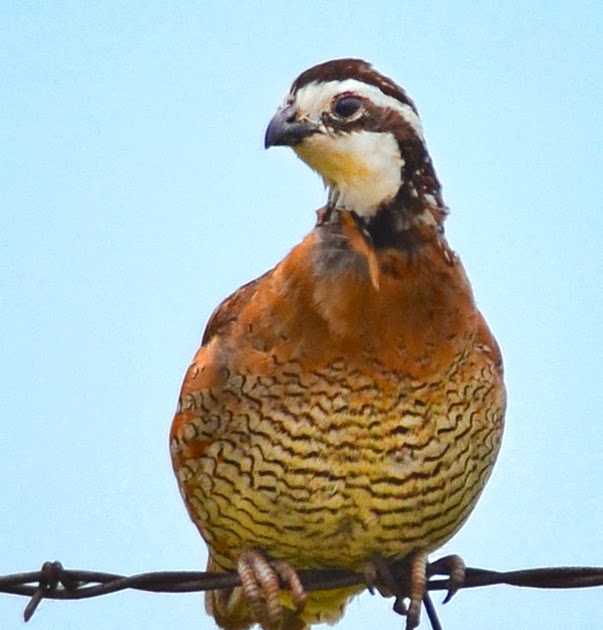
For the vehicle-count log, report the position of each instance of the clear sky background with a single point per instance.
(135, 194)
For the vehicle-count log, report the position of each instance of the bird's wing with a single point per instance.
(229, 309)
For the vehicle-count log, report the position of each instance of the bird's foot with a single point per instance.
(452, 566)
(261, 579)
(416, 588)
(411, 585)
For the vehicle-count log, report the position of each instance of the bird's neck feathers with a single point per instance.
(391, 188)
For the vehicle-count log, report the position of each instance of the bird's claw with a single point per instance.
(454, 567)
(412, 587)
(417, 588)
(261, 580)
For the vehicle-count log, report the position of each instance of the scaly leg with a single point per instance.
(410, 585)
(418, 586)
(260, 581)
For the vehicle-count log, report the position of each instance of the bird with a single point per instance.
(346, 408)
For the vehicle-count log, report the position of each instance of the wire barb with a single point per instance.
(50, 577)
(52, 581)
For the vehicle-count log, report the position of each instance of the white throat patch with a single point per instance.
(362, 169)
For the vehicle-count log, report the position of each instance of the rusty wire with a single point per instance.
(53, 581)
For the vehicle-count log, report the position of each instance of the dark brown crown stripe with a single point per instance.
(349, 68)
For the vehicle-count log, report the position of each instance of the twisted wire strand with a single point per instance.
(53, 581)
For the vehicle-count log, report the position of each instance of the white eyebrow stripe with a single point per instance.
(314, 98)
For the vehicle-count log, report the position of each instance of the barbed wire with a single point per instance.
(53, 581)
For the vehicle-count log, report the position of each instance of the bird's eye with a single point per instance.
(346, 105)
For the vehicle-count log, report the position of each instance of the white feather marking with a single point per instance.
(315, 98)
(362, 169)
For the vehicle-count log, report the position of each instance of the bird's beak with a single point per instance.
(285, 130)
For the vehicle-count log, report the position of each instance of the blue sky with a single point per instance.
(135, 195)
